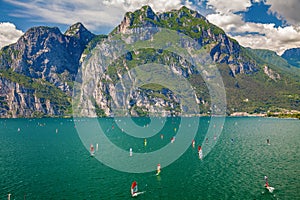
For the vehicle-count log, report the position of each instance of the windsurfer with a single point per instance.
(134, 188)
(158, 170)
(193, 143)
(200, 152)
(92, 150)
(173, 139)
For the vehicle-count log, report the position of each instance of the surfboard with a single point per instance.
(138, 193)
(271, 189)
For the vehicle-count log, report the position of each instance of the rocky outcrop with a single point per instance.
(271, 74)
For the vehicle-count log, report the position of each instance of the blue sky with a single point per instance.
(267, 24)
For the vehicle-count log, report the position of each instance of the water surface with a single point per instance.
(45, 159)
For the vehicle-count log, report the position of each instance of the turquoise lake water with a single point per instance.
(45, 159)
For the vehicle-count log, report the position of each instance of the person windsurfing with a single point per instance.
(158, 170)
(193, 143)
(267, 186)
(134, 189)
(161, 136)
(92, 150)
(200, 152)
(173, 139)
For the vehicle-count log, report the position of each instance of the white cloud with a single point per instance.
(8, 34)
(267, 37)
(94, 14)
(288, 10)
(229, 6)
(228, 22)
(158, 6)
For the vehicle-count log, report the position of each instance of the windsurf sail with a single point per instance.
(267, 185)
(193, 143)
(173, 139)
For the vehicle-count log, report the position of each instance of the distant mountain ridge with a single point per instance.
(37, 72)
(292, 56)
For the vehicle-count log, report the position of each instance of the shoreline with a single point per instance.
(235, 114)
(285, 115)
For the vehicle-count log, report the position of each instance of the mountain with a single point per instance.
(37, 73)
(276, 62)
(253, 81)
(222, 48)
(292, 56)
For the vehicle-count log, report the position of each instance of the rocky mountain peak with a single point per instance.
(222, 48)
(184, 11)
(78, 30)
(37, 36)
(147, 12)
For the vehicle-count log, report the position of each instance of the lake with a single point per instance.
(46, 159)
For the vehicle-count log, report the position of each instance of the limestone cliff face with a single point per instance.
(104, 90)
(19, 101)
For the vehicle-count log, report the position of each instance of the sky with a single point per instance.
(258, 24)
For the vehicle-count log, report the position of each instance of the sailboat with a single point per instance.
(92, 150)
